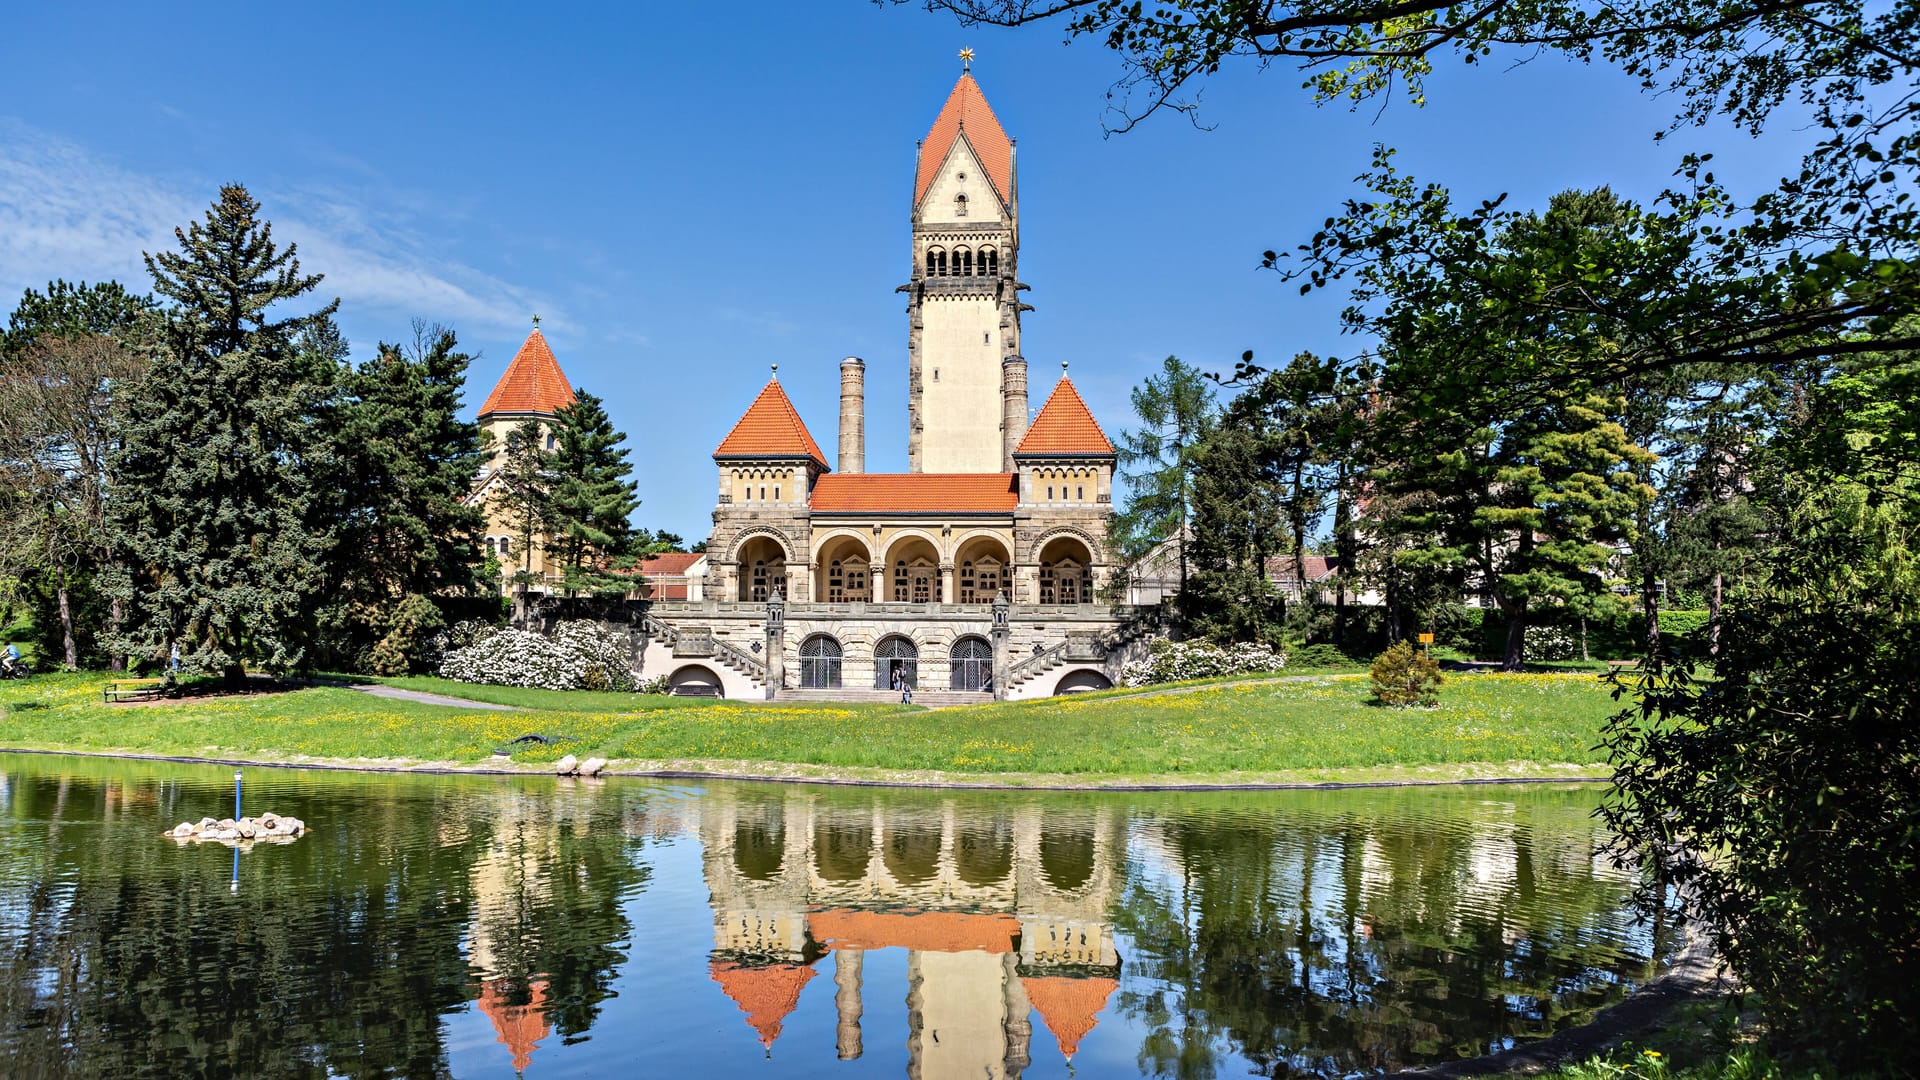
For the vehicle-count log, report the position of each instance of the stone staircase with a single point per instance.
(932, 699)
(703, 646)
(1082, 649)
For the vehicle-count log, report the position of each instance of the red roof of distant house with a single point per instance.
(533, 382)
(771, 427)
(910, 493)
(1071, 1007)
(1318, 567)
(669, 562)
(1065, 426)
(765, 993)
(926, 931)
(967, 111)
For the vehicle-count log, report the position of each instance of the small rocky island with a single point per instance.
(268, 828)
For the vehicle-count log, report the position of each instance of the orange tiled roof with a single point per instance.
(967, 110)
(931, 493)
(771, 427)
(766, 993)
(669, 562)
(926, 931)
(533, 382)
(517, 1027)
(1070, 1007)
(1065, 426)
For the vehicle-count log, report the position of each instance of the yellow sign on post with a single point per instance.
(1426, 639)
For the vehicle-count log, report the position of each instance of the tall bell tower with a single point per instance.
(963, 306)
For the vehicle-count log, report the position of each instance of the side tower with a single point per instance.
(963, 308)
(532, 388)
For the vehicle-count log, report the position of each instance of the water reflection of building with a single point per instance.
(1003, 913)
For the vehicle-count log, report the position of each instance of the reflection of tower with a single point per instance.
(518, 1027)
(508, 881)
(1000, 911)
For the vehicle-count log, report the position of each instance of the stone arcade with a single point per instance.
(978, 572)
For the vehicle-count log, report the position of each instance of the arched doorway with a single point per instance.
(980, 571)
(895, 656)
(820, 663)
(763, 569)
(1066, 572)
(970, 663)
(840, 572)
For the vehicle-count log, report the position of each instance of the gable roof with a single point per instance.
(928, 493)
(967, 110)
(532, 383)
(1065, 426)
(771, 427)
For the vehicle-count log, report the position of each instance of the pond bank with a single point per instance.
(790, 773)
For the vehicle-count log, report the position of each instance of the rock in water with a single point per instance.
(592, 766)
(567, 766)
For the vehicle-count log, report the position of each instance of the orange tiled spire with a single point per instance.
(967, 111)
(533, 382)
(766, 994)
(1065, 426)
(771, 427)
(1070, 1007)
(517, 1027)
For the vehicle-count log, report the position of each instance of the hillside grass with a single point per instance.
(1315, 729)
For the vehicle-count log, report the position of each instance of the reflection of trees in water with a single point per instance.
(1321, 943)
(129, 956)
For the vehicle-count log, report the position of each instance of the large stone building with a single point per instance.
(981, 570)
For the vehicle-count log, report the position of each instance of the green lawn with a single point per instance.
(1322, 728)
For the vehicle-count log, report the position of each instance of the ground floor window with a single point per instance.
(820, 663)
(971, 663)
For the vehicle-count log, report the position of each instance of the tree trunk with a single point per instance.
(1584, 658)
(116, 616)
(66, 625)
(1650, 606)
(1516, 653)
(1713, 615)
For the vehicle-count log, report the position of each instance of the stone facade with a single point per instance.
(985, 568)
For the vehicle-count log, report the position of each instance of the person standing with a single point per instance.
(173, 659)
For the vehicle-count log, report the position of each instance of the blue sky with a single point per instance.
(689, 193)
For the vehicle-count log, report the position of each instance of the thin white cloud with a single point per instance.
(65, 212)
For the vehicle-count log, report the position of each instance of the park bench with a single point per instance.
(132, 690)
(1617, 665)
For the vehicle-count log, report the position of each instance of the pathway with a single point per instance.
(398, 694)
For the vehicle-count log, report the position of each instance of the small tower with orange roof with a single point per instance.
(532, 388)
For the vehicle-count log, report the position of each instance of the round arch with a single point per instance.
(820, 659)
(912, 568)
(893, 655)
(1081, 681)
(982, 568)
(1066, 569)
(842, 562)
(970, 663)
(695, 680)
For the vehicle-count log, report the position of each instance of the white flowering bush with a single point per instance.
(1549, 643)
(1176, 661)
(580, 655)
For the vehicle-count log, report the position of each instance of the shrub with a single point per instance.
(412, 627)
(1176, 661)
(580, 655)
(1405, 676)
(1546, 641)
(1318, 656)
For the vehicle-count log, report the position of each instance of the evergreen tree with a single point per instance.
(522, 490)
(593, 500)
(1238, 522)
(223, 441)
(1176, 410)
(409, 546)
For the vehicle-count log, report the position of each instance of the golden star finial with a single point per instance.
(966, 60)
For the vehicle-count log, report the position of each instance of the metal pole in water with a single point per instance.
(236, 795)
(234, 885)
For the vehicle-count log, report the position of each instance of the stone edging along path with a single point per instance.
(783, 773)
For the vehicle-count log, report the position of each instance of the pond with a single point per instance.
(483, 926)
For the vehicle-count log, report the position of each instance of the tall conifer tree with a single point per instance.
(223, 440)
(593, 499)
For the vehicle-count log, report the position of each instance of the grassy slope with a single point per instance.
(1317, 729)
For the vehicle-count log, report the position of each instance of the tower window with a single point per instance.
(963, 263)
(776, 493)
(1049, 491)
(989, 262)
(937, 262)
(959, 206)
(549, 440)
(1079, 493)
